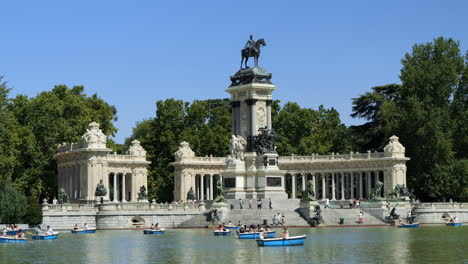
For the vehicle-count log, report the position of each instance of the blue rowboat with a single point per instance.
(282, 242)
(154, 231)
(222, 233)
(84, 231)
(46, 237)
(408, 225)
(12, 240)
(454, 224)
(256, 235)
(13, 232)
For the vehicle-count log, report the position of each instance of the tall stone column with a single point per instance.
(376, 177)
(303, 182)
(268, 113)
(114, 199)
(342, 186)
(368, 175)
(315, 185)
(324, 187)
(123, 188)
(211, 186)
(360, 186)
(351, 183)
(202, 187)
(252, 116)
(236, 117)
(293, 184)
(197, 187)
(333, 186)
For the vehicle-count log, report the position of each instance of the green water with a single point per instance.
(439, 244)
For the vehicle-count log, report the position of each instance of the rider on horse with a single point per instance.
(250, 45)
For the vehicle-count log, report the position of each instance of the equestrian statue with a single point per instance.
(252, 49)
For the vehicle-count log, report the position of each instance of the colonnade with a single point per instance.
(123, 187)
(336, 185)
(205, 185)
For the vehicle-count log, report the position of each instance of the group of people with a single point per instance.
(155, 227)
(279, 219)
(85, 227)
(48, 232)
(259, 204)
(19, 235)
(453, 220)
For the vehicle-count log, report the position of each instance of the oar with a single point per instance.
(289, 242)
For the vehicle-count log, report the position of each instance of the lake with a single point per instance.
(427, 244)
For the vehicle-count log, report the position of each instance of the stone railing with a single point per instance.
(142, 206)
(441, 205)
(333, 156)
(70, 147)
(205, 160)
(116, 157)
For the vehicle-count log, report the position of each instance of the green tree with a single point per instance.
(13, 204)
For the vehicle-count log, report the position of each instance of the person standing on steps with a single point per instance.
(269, 203)
(241, 204)
(250, 203)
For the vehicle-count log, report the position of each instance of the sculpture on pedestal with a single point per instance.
(219, 193)
(101, 190)
(190, 195)
(310, 194)
(62, 196)
(375, 193)
(142, 195)
(252, 49)
(264, 142)
(236, 150)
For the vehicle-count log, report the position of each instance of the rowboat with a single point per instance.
(281, 242)
(13, 232)
(256, 235)
(222, 233)
(454, 224)
(46, 237)
(12, 240)
(408, 225)
(84, 231)
(154, 231)
(232, 227)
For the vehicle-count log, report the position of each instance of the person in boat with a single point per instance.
(455, 219)
(4, 232)
(151, 226)
(230, 223)
(49, 231)
(157, 226)
(239, 224)
(220, 227)
(39, 230)
(86, 227)
(268, 229)
(75, 227)
(242, 229)
(285, 233)
(20, 235)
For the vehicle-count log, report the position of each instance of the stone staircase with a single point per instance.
(254, 216)
(331, 217)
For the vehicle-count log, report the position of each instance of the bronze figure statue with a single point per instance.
(101, 190)
(252, 49)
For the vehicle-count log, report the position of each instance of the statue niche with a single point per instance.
(142, 195)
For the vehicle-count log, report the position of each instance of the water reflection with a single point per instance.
(323, 245)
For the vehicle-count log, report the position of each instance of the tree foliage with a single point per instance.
(429, 114)
(13, 204)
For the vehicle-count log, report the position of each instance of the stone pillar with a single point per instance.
(197, 187)
(236, 117)
(268, 113)
(351, 183)
(360, 185)
(368, 175)
(114, 199)
(315, 186)
(211, 186)
(376, 177)
(123, 188)
(333, 186)
(342, 186)
(293, 185)
(252, 116)
(303, 182)
(324, 188)
(202, 187)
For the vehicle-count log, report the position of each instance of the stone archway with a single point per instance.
(137, 221)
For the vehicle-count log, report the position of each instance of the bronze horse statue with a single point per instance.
(255, 53)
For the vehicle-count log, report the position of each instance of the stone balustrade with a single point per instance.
(142, 206)
(441, 205)
(318, 158)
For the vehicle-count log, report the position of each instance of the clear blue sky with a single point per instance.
(133, 53)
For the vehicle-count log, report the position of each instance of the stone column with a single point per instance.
(368, 175)
(114, 199)
(351, 183)
(293, 184)
(202, 187)
(376, 177)
(324, 188)
(360, 185)
(303, 182)
(252, 116)
(268, 113)
(197, 187)
(315, 185)
(123, 188)
(333, 186)
(342, 186)
(211, 186)
(235, 117)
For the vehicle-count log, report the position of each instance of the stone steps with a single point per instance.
(254, 216)
(332, 217)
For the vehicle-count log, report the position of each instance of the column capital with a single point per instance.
(235, 103)
(268, 102)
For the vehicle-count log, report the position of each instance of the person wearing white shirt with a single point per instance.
(49, 231)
